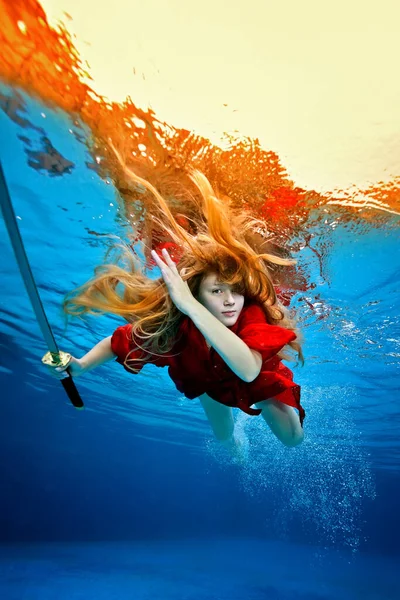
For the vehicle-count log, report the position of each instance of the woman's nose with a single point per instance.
(229, 299)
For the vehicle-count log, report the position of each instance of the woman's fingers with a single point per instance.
(58, 372)
(167, 268)
(169, 260)
(168, 264)
(178, 289)
(157, 259)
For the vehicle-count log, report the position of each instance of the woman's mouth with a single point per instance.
(229, 313)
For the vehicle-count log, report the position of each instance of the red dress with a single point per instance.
(196, 369)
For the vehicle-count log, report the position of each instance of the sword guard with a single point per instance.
(56, 359)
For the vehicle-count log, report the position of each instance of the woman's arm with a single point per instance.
(243, 361)
(98, 355)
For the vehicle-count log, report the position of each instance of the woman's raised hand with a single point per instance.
(178, 289)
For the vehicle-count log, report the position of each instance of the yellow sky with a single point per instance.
(315, 80)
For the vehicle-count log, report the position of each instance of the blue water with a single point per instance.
(131, 498)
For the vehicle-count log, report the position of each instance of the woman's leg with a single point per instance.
(220, 418)
(283, 421)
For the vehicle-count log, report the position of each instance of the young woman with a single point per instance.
(213, 317)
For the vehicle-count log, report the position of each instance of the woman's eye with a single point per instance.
(216, 290)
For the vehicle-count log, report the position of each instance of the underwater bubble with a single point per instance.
(323, 482)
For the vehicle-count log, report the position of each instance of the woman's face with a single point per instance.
(218, 297)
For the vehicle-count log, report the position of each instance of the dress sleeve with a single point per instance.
(259, 335)
(122, 344)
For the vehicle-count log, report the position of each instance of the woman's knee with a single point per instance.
(295, 440)
(283, 421)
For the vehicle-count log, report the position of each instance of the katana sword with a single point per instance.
(54, 357)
